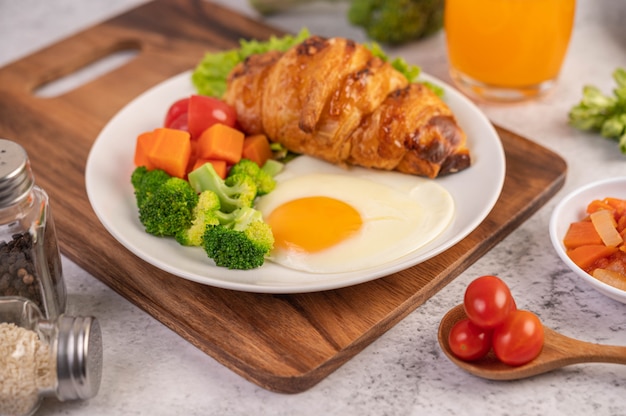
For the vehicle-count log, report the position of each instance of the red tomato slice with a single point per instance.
(177, 109)
(488, 301)
(206, 111)
(519, 339)
(468, 341)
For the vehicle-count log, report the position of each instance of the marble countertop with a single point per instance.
(150, 370)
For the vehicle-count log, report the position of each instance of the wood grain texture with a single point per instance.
(285, 343)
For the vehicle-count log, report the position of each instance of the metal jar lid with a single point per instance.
(79, 357)
(16, 176)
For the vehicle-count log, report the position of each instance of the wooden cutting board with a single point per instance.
(284, 343)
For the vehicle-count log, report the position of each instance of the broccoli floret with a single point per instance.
(264, 182)
(273, 167)
(237, 238)
(237, 191)
(269, 7)
(241, 241)
(397, 21)
(203, 215)
(145, 182)
(165, 208)
(388, 21)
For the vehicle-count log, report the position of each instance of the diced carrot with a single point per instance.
(172, 151)
(619, 211)
(581, 233)
(220, 166)
(145, 143)
(616, 203)
(194, 148)
(193, 157)
(585, 256)
(221, 142)
(257, 149)
(604, 223)
(597, 205)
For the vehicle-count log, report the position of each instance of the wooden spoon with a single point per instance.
(558, 351)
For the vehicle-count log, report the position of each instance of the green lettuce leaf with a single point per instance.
(209, 76)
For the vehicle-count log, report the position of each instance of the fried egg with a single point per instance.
(327, 219)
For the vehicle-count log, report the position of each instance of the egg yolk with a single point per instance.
(313, 224)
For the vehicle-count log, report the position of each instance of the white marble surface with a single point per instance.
(150, 370)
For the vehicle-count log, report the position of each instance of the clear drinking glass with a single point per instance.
(507, 50)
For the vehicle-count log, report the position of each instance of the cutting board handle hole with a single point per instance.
(85, 74)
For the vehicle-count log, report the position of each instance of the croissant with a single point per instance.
(333, 99)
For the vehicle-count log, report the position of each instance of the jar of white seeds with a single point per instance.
(30, 262)
(41, 357)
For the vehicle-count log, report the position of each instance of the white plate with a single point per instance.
(110, 164)
(572, 208)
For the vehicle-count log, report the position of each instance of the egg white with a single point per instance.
(401, 213)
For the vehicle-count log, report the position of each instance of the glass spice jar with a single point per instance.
(41, 357)
(30, 263)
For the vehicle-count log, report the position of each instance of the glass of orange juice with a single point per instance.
(507, 50)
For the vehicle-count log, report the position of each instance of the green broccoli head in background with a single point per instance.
(385, 21)
(397, 21)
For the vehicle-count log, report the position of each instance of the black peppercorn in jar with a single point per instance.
(30, 263)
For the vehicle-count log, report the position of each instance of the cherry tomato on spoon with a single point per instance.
(519, 339)
(468, 341)
(488, 301)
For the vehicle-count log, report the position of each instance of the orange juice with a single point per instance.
(508, 43)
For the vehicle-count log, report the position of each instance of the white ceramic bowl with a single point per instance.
(572, 208)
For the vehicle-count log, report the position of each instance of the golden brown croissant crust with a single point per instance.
(333, 99)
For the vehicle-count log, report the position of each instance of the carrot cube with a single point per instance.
(143, 146)
(220, 142)
(581, 233)
(257, 149)
(597, 205)
(585, 256)
(171, 151)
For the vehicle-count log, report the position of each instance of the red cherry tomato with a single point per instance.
(175, 111)
(205, 111)
(180, 122)
(487, 301)
(468, 341)
(519, 339)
